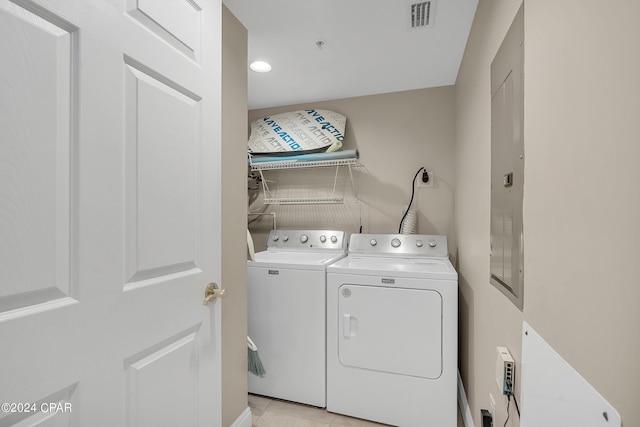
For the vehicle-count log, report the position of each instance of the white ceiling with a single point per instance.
(368, 47)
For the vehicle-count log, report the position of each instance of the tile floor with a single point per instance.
(278, 413)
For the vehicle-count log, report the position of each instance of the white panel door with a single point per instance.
(109, 212)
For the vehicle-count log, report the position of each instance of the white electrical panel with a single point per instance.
(507, 164)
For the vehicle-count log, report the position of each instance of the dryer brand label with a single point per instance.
(346, 292)
(276, 272)
(390, 281)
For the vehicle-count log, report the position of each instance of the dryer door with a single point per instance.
(395, 330)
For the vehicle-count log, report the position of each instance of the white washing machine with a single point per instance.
(392, 331)
(287, 312)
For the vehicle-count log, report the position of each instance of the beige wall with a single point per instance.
(581, 197)
(395, 134)
(234, 209)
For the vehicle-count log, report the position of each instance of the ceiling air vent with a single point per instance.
(420, 14)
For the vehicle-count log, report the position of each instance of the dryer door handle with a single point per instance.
(349, 325)
(346, 325)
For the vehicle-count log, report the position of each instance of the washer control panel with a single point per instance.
(406, 245)
(307, 239)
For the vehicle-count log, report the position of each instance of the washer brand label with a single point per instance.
(346, 292)
(275, 272)
(390, 281)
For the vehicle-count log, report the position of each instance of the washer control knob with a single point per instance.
(323, 238)
(395, 243)
(419, 243)
(432, 243)
(275, 238)
(373, 242)
(285, 238)
(334, 239)
(304, 238)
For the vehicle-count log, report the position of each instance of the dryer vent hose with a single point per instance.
(410, 222)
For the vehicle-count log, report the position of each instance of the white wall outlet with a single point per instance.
(492, 405)
(430, 178)
(505, 371)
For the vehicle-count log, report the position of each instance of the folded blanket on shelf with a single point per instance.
(313, 157)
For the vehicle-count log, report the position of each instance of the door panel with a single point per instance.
(176, 22)
(34, 160)
(500, 201)
(503, 154)
(163, 146)
(160, 379)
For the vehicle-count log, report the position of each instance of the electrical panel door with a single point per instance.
(507, 163)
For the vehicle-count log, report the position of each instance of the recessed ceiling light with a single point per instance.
(260, 66)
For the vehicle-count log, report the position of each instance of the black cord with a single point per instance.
(516, 402)
(413, 189)
(508, 403)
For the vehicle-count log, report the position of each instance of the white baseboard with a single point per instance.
(464, 404)
(244, 420)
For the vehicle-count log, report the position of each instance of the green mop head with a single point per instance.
(255, 364)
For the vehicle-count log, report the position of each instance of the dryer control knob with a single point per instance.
(395, 243)
(334, 239)
(285, 238)
(275, 238)
(323, 239)
(419, 243)
(304, 238)
(373, 242)
(432, 243)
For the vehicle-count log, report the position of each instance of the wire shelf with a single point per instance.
(303, 200)
(295, 164)
(292, 194)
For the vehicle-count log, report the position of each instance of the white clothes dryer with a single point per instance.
(392, 331)
(287, 312)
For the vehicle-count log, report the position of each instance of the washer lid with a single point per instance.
(305, 260)
(426, 268)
